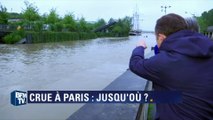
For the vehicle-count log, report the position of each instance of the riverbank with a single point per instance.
(49, 36)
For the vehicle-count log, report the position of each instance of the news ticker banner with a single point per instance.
(41, 97)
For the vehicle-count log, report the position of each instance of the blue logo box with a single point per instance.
(18, 98)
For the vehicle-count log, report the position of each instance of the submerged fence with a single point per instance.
(43, 37)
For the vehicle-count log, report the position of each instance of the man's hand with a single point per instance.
(142, 43)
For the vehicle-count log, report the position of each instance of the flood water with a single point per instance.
(73, 65)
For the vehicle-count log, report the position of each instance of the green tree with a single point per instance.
(127, 23)
(122, 27)
(14, 15)
(68, 19)
(69, 22)
(44, 18)
(59, 26)
(202, 23)
(205, 20)
(100, 23)
(83, 25)
(117, 30)
(38, 26)
(3, 15)
(90, 26)
(53, 17)
(208, 16)
(31, 12)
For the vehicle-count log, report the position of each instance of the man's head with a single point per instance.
(167, 25)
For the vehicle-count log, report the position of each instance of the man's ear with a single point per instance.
(161, 37)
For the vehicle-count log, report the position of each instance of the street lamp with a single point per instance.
(163, 8)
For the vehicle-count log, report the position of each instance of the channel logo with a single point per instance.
(18, 98)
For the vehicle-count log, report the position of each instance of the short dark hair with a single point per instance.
(169, 24)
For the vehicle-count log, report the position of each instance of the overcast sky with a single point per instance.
(92, 10)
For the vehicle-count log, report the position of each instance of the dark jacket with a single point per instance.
(185, 63)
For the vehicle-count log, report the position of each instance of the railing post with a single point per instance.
(212, 36)
(143, 108)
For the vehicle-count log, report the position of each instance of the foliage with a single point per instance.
(68, 19)
(69, 22)
(208, 16)
(151, 111)
(202, 23)
(59, 27)
(117, 30)
(53, 17)
(99, 23)
(83, 27)
(52, 27)
(205, 20)
(31, 12)
(122, 27)
(38, 26)
(3, 15)
(14, 37)
(14, 15)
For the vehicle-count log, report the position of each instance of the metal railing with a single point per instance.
(209, 32)
(143, 108)
(209, 35)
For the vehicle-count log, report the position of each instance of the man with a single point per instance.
(191, 25)
(184, 63)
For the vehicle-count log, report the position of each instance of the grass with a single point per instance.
(151, 115)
